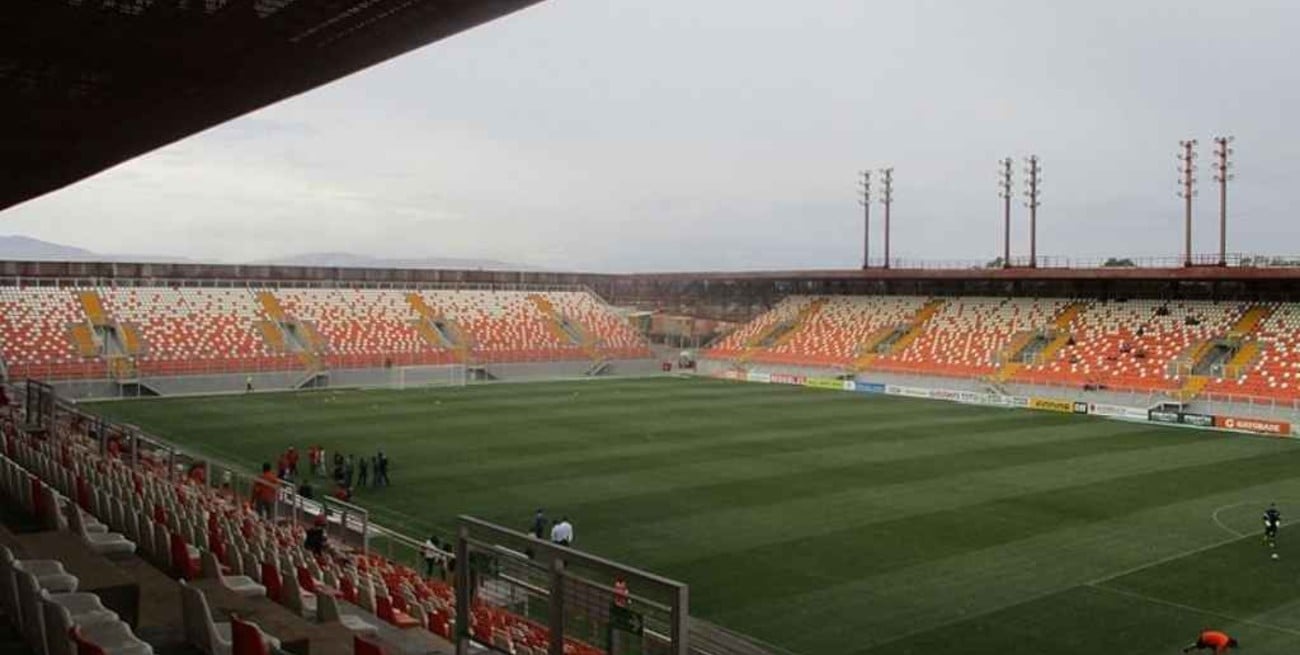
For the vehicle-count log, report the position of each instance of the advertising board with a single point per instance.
(824, 383)
(1256, 425)
(869, 387)
(1052, 405)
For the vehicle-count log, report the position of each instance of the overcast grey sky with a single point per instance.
(627, 135)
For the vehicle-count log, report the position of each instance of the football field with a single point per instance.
(826, 521)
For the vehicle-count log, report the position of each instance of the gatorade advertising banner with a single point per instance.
(1051, 405)
(1256, 425)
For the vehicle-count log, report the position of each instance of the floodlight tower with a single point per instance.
(1033, 194)
(864, 189)
(1187, 178)
(887, 199)
(1005, 193)
(1222, 151)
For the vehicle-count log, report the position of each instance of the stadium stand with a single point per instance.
(215, 544)
(87, 333)
(1179, 346)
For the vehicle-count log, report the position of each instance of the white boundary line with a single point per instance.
(1089, 583)
(1192, 608)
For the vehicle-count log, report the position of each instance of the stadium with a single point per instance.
(905, 457)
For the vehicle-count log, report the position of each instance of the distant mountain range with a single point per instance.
(20, 248)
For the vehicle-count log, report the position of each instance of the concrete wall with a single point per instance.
(1133, 399)
(396, 377)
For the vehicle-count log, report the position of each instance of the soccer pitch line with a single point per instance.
(1095, 583)
(1193, 608)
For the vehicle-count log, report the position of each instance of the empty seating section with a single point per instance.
(740, 340)
(966, 336)
(839, 331)
(187, 330)
(607, 330)
(363, 327)
(1275, 373)
(1131, 344)
(193, 330)
(503, 326)
(1142, 345)
(35, 336)
(180, 522)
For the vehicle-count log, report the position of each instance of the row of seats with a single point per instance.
(189, 330)
(40, 597)
(1133, 344)
(195, 531)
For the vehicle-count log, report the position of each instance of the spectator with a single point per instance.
(429, 550)
(292, 457)
(315, 541)
(264, 491)
(539, 524)
(562, 533)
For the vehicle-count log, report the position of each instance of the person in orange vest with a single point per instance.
(1214, 640)
(264, 487)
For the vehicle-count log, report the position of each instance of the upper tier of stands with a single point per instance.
(1145, 345)
(187, 330)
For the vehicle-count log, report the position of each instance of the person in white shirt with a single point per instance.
(562, 533)
(430, 552)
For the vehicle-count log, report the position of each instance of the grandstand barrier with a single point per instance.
(1154, 414)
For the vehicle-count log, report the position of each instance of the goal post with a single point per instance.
(444, 375)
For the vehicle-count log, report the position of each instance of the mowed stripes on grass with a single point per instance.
(823, 521)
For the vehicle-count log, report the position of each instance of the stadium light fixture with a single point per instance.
(1005, 192)
(887, 199)
(1222, 174)
(1033, 198)
(864, 199)
(1187, 180)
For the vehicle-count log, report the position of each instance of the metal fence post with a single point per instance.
(556, 623)
(462, 591)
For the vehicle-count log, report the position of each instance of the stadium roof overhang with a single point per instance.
(87, 84)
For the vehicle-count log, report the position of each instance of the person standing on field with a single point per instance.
(363, 469)
(562, 533)
(381, 469)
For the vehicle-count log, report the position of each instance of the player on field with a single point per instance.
(1214, 640)
(1272, 521)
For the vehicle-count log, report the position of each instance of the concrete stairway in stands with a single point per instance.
(438, 330)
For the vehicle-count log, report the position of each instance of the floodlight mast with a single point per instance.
(887, 199)
(1033, 195)
(1222, 167)
(1187, 178)
(864, 191)
(1005, 193)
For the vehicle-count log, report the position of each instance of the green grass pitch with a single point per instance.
(831, 522)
